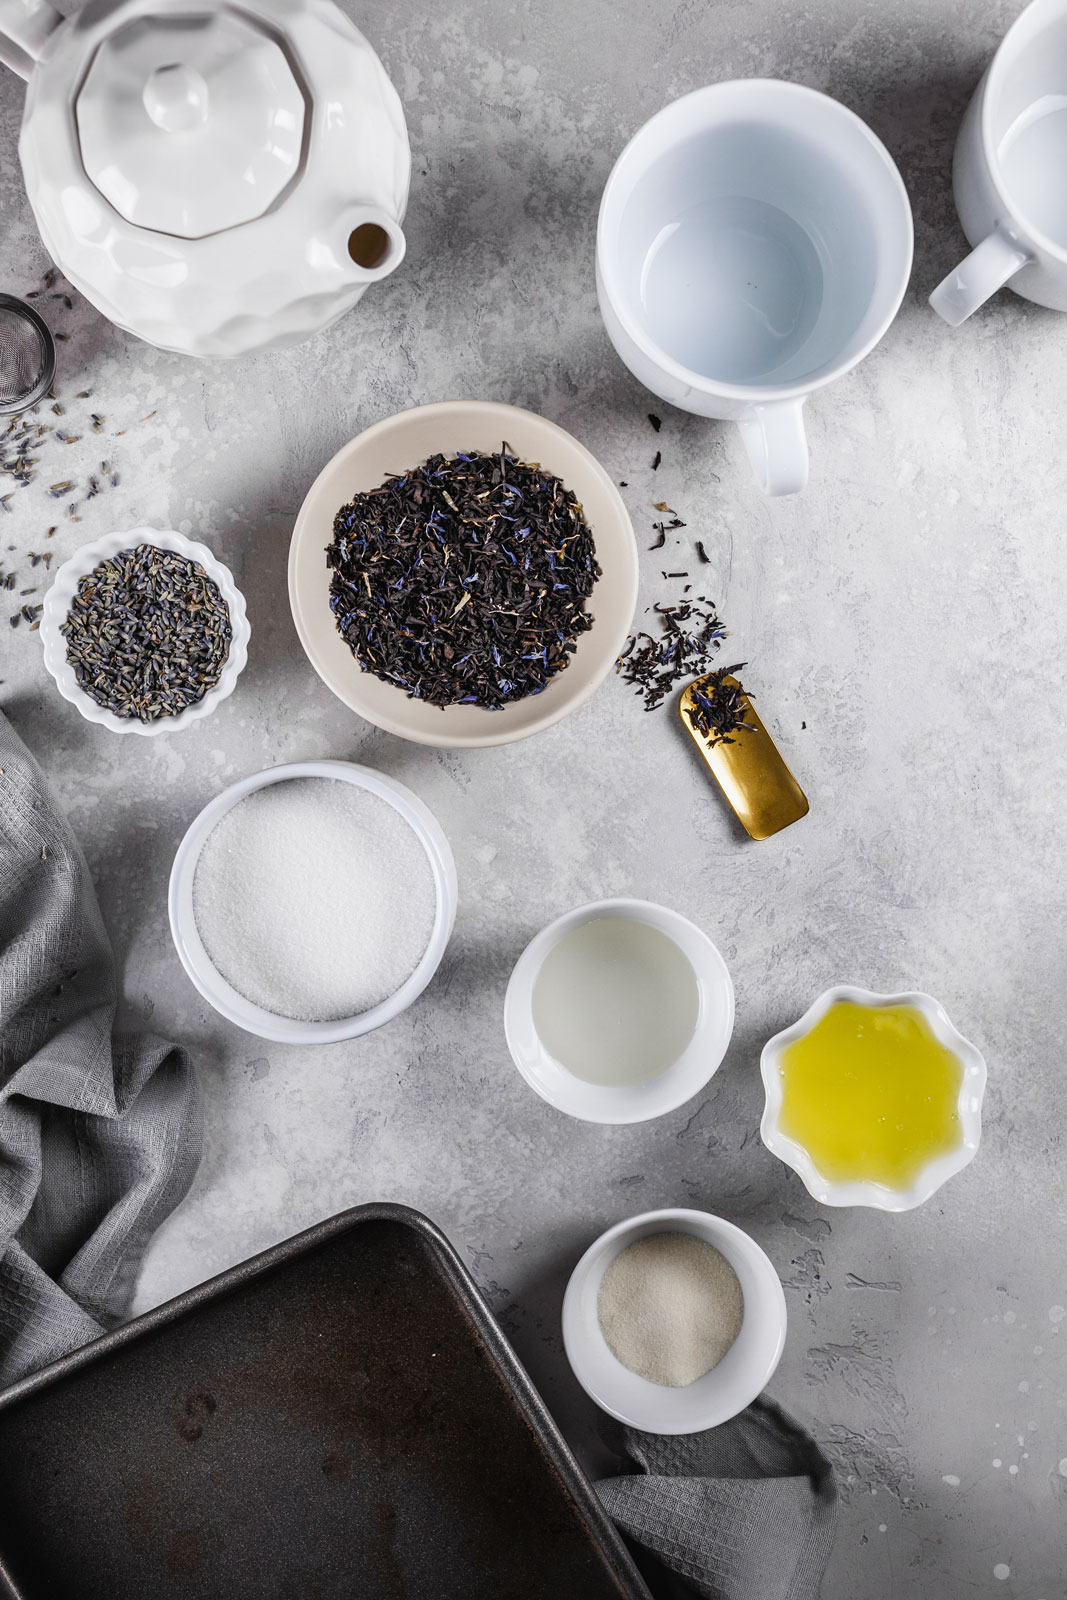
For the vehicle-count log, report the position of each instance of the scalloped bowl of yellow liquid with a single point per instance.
(873, 1099)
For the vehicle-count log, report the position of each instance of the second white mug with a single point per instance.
(754, 243)
(1009, 175)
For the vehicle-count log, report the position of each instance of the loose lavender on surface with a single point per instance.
(148, 633)
(33, 450)
(719, 708)
(465, 580)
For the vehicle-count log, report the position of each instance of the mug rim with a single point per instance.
(989, 87)
(756, 393)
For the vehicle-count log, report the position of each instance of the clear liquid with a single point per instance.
(732, 288)
(615, 1002)
(1033, 159)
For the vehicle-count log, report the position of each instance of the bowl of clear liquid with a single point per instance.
(619, 1011)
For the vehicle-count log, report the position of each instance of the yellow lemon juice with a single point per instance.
(871, 1094)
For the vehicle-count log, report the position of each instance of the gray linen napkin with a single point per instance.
(99, 1135)
(745, 1511)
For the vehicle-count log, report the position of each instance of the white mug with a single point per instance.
(754, 243)
(1009, 176)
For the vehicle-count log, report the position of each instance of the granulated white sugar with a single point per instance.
(670, 1306)
(314, 898)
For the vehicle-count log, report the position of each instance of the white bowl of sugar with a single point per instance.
(313, 902)
(674, 1321)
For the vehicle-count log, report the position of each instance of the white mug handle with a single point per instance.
(777, 445)
(987, 269)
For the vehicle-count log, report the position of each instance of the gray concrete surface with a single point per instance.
(904, 621)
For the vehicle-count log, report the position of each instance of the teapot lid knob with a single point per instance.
(193, 122)
(175, 98)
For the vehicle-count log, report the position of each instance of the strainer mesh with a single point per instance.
(23, 357)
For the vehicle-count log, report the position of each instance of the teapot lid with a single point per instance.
(191, 123)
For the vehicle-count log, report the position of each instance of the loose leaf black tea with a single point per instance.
(148, 633)
(691, 634)
(718, 709)
(465, 580)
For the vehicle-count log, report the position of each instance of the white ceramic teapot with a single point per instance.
(214, 178)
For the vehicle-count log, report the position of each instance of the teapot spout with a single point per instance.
(375, 243)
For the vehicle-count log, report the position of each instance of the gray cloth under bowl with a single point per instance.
(100, 1133)
(745, 1511)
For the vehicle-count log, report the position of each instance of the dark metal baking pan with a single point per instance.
(340, 1416)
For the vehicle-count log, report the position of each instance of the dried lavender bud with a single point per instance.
(148, 633)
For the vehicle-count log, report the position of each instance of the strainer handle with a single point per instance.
(25, 26)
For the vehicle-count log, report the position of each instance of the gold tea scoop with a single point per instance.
(747, 765)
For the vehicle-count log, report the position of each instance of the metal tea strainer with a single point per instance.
(27, 355)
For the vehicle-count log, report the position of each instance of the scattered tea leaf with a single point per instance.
(691, 633)
(718, 708)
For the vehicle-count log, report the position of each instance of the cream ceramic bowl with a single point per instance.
(58, 600)
(221, 994)
(720, 1394)
(932, 1176)
(633, 1102)
(404, 441)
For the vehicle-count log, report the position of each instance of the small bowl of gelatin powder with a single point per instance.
(674, 1321)
(313, 902)
(873, 1099)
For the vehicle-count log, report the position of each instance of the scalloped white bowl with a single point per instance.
(935, 1173)
(57, 603)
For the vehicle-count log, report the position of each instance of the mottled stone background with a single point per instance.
(904, 621)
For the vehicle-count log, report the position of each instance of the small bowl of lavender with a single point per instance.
(144, 631)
